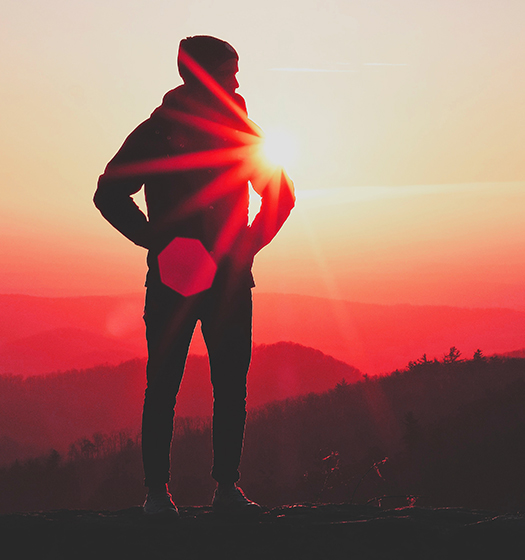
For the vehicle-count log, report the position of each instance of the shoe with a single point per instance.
(232, 500)
(159, 502)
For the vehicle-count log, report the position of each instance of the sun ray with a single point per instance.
(219, 187)
(182, 162)
(207, 80)
(213, 127)
(237, 165)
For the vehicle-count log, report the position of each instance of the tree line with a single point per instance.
(445, 432)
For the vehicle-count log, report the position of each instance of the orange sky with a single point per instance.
(409, 118)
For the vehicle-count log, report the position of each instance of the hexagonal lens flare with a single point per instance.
(186, 266)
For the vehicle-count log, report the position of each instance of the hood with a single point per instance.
(197, 102)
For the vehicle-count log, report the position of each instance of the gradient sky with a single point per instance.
(409, 116)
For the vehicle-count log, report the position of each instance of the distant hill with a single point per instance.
(41, 335)
(515, 354)
(54, 410)
(63, 348)
(382, 338)
(436, 434)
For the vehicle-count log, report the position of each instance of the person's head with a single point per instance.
(218, 58)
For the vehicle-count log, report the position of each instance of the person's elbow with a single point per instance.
(99, 196)
(104, 195)
(287, 194)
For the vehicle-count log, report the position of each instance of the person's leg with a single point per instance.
(170, 321)
(227, 331)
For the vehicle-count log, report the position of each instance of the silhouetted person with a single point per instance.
(194, 157)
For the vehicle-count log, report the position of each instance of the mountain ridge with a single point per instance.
(57, 408)
(375, 338)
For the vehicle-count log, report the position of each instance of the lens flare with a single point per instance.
(238, 159)
(280, 147)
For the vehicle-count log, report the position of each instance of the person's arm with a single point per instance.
(113, 196)
(277, 200)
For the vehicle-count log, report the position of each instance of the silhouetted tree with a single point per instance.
(452, 356)
(342, 385)
(461, 429)
(478, 356)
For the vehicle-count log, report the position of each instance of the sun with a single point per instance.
(280, 147)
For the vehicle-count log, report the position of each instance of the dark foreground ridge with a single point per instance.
(331, 531)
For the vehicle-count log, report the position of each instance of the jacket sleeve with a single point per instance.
(277, 201)
(119, 182)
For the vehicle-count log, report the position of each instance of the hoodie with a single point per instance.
(194, 157)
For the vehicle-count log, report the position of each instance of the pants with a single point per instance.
(225, 312)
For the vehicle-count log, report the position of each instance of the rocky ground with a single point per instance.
(331, 531)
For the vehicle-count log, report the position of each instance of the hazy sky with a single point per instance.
(409, 116)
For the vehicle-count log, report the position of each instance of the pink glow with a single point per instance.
(186, 267)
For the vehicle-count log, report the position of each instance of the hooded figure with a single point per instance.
(208, 52)
(194, 157)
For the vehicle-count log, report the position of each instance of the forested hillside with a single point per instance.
(440, 433)
(42, 412)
